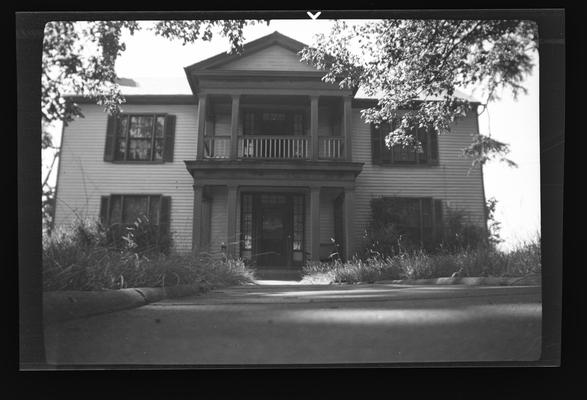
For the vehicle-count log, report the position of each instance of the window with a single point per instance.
(120, 211)
(140, 137)
(419, 219)
(399, 155)
(274, 123)
(125, 209)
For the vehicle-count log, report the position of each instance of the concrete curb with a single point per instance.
(65, 305)
(471, 281)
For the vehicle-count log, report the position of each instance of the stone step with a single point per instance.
(278, 274)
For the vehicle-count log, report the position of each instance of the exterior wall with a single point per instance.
(448, 181)
(84, 176)
(271, 58)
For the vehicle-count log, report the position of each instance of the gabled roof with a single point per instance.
(274, 38)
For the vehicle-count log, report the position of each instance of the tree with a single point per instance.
(399, 61)
(80, 57)
(404, 62)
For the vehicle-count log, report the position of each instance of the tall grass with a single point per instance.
(82, 258)
(481, 261)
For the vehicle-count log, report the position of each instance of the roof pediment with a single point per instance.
(274, 52)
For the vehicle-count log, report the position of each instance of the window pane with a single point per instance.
(139, 149)
(120, 148)
(134, 206)
(158, 151)
(427, 212)
(115, 209)
(298, 223)
(423, 157)
(159, 126)
(154, 210)
(122, 127)
(141, 126)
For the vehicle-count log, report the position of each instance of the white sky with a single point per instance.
(515, 122)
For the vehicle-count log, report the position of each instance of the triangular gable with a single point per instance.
(272, 58)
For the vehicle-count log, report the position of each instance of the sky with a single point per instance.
(515, 122)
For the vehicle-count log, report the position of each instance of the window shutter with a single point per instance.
(164, 220)
(375, 144)
(110, 146)
(169, 138)
(438, 225)
(104, 208)
(433, 148)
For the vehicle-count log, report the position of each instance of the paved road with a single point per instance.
(308, 324)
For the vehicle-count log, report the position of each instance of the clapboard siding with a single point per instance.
(272, 58)
(84, 177)
(450, 181)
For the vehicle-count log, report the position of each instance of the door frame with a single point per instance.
(289, 194)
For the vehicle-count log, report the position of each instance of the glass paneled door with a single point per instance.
(272, 229)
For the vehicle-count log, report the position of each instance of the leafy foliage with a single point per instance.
(403, 62)
(80, 57)
(469, 262)
(83, 257)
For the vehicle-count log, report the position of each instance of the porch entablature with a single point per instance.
(276, 173)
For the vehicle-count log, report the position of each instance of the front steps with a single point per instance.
(279, 274)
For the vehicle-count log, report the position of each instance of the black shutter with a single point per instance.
(376, 144)
(433, 147)
(164, 221)
(104, 209)
(438, 220)
(110, 146)
(169, 138)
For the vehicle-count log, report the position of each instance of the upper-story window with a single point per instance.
(400, 155)
(140, 137)
(271, 122)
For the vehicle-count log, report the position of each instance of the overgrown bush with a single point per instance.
(383, 238)
(472, 262)
(84, 257)
(458, 234)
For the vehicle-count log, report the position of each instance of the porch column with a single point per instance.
(347, 217)
(234, 126)
(314, 127)
(197, 219)
(231, 203)
(202, 100)
(315, 223)
(346, 127)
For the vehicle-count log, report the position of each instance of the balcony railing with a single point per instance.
(331, 148)
(274, 147)
(217, 146)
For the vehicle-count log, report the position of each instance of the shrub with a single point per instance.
(84, 258)
(420, 264)
(142, 237)
(458, 234)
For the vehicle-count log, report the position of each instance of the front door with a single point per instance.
(273, 230)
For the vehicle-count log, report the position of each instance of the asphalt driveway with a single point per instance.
(310, 324)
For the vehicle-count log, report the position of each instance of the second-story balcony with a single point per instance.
(269, 147)
(274, 127)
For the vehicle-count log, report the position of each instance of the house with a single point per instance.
(253, 155)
